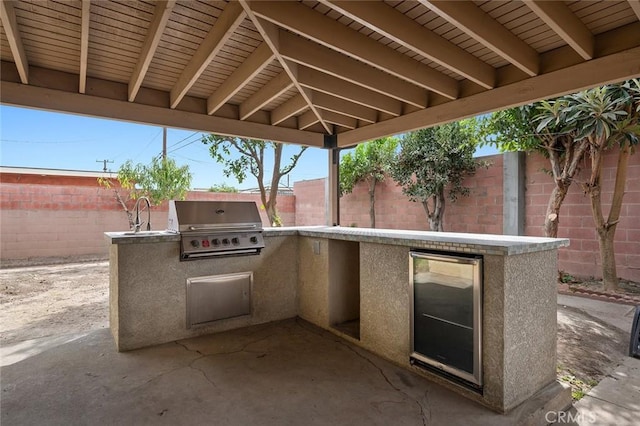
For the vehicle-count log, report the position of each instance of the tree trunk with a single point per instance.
(552, 217)
(372, 202)
(608, 259)
(435, 217)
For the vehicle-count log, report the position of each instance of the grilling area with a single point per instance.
(217, 302)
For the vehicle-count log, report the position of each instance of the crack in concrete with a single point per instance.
(191, 364)
(423, 415)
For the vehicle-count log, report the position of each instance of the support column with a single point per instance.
(513, 184)
(332, 192)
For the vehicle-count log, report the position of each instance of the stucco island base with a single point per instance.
(327, 275)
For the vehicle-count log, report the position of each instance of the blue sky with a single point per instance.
(33, 138)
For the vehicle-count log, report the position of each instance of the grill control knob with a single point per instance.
(195, 243)
(254, 240)
(225, 241)
(235, 241)
(215, 242)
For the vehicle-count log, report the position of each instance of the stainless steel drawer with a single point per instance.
(218, 297)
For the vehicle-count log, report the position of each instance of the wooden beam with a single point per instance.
(11, 30)
(313, 55)
(307, 119)
(339, 119)
(599, 71)
(84, 44)
(474, 21)
(271, 34)
(331, 85)
(231, 17)
(307, 22)
(252, 66)
(154, 33)
(398, 27)
(88, 105)
(274, 88)
(564, 23)
(292, 107)
(344, 107)
(635, 5)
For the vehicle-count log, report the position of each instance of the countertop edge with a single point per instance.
(444, 241)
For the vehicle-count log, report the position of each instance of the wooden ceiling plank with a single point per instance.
(635, 5)
(387, 21)
(324, 30)
(274, 88)
(12, 32)
(293, 106)
(305, 52)
(339, 119)
(564, 23)
(156, 28)
(598, 71)
(229, 20)
(482, 27)
(252, 66)
(317, 80)
(271, 34)
(344, 107)
(84, 44)
(307, 120)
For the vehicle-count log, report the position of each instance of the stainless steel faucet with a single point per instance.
(138, 224)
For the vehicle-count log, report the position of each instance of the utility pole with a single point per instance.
(104, 164)
(164, 143)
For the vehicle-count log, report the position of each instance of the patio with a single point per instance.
(288, 372)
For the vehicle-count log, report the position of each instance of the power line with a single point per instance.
(104, 162)
(184, 139)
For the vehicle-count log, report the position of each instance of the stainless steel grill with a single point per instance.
(216, 228)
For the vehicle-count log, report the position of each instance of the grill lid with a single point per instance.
(208, 216)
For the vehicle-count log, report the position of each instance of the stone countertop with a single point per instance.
(449, 241)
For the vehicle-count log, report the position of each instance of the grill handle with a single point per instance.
(223, 228)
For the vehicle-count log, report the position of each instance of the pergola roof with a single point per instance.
(304, 72)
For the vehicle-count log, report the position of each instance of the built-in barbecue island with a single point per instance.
(492, 299)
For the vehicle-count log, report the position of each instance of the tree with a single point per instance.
(540, 127)
(434, 160)
(223, 187)
(369, 162)
(160, 180)
(240, 156)
(569, 130)
(605, 117)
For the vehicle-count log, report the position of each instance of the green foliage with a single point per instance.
(223, 187)
(369, 161)
(160, 180)
(436, 158)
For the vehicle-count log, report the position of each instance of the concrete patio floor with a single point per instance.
(284, 373)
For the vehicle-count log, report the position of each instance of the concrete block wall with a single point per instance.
(582, 257)
(66, 216)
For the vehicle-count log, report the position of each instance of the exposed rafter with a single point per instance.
(635, 5)
(159, 21)
(398, 27)
(347, 108)
(84, 44)
(231, 17)
(564, 23)
(274, 88)
(271, 34)
(339, 119)
(305, 21)
(11, 30)
(252, 66)
(472, 20)
(307, 120)
(293, 106)
(326, 83)
(302, 51)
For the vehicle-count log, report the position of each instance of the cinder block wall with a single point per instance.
(66, 216)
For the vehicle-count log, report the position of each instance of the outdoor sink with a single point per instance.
(146, 233)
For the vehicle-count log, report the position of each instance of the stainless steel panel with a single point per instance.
(456, 322)
(189, 216)
(218, 297)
